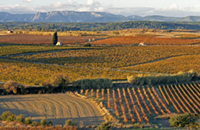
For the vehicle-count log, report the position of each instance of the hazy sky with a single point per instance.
(124, 7)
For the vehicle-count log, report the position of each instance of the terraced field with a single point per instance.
(55, 107)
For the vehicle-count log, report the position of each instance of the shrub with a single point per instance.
(7, 114)
(20, 118)
(104, 126)
(50, 123)
(117, 33)
(93, 83)
(159, 79)
(48, 86)
(68, 122)
(87, 45)
(58, 80)
(183, 120)
(11, 118)
(43, 122)
(34, 123)
(28, 120)
(11, 86)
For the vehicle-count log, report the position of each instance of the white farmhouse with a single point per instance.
(59, 44)
(142, 44)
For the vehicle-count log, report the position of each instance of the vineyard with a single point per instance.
(110, 57)
(18, 49)
(130, 40)
(29, 73)
(171, 65)
(42, 39)
(143, 103)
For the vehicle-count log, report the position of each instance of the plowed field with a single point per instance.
(55, 107)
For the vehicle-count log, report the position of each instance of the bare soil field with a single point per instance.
(41, 39)
(55, 107)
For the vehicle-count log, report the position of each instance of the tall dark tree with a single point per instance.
(55, 38)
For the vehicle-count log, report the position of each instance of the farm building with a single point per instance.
(142, 44)
(89, 40)
(59, 44)
(9, 32)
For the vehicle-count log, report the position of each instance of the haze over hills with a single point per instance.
(73, 16)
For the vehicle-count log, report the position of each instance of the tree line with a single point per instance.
(106, 26)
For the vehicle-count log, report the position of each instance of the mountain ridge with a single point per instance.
(75, 17)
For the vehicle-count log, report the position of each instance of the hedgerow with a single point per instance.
(93, 83)
(162, 79)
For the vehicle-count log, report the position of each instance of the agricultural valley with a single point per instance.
(131, 78)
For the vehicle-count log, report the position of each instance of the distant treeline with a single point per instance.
(99, 26)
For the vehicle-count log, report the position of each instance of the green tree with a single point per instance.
(55, 38)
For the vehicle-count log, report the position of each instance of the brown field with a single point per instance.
(41, 39)
(55, 107)
(130, 40)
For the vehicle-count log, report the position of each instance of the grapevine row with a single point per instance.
(141, 108)
(134, 106)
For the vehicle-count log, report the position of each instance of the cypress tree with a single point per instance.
(54, 39)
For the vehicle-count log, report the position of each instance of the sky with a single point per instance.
(174, 8)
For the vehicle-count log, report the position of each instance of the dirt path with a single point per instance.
(55, 107)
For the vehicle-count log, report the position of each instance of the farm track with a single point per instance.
(55, 107)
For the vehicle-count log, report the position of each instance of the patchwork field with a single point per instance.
(55, 107)
(33, 64)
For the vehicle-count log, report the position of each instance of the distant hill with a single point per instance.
(97, 26)
(75, 17)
